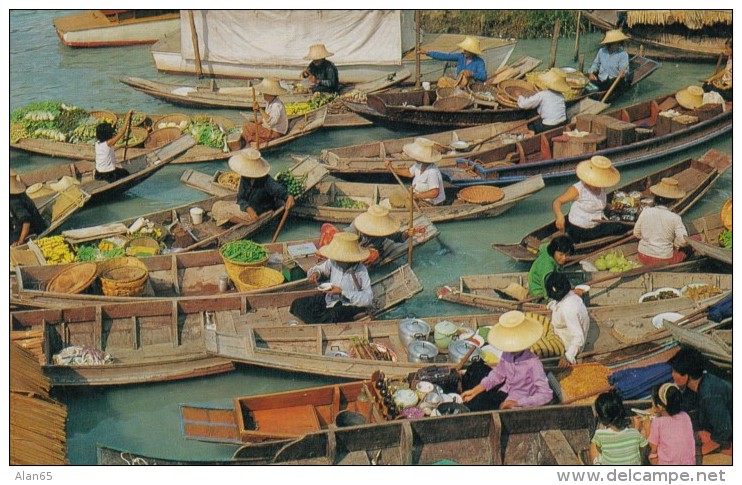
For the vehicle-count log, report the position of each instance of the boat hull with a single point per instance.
(95, 29)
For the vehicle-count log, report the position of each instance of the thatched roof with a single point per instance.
(692, 19)
(37, 423)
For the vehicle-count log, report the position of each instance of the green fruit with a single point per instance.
(601, 264)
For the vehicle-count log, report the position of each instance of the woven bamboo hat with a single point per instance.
(270, 85)
(249, 163)
(39, 190)
(345, 248)
(515, 332)
(400, 199)
(16, 186)
(317, 52)
(726, 214)
(668, 188)
(598, 172)
(690, 97)
(376, 221)
(613, 36)
(553, 79)
(470, 44)
(422, 151)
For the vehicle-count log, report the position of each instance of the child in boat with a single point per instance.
(427, 181)
(615, 442)
(105, 156)
(551, 257)
(670, 431)
(569, 317)
(275, 121)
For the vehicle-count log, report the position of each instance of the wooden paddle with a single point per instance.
(465, 358)
(126, 136)
(280, 224)
(502, 132)
(410, 238)
(417, 49)
(255, 112)
(613, 86)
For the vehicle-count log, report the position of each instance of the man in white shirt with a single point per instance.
(549, 103)
(427, 181)
(275, 122)
(661, 231)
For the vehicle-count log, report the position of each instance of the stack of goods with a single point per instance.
(55, 250)
(348, 203)
(627, 207)
(316, 101)
(238, 255)
(584, 382)
(614, 261)
(294, 185)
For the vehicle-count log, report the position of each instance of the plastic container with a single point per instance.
(197, 215)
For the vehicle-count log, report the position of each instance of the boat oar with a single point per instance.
(417, 48)
(411, 238)
(613, 86)
(280, 224)
(126, 136)
(255, 109)
(502, 132)
(465, 358)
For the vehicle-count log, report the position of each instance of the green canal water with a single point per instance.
(145, 418)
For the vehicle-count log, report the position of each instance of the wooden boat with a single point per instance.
(319, 202)
(694, 176)
(549, 153)
(708, 229)
(484, 291)
(190, 275)
(240, 96)
(106, 28)
(673, 35)
(356, 63)
(56, 208)
(711, 345)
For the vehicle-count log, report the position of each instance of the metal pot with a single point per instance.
(458, 349)
(411, 329)
(421, 351)
(347, 418)
(444, 332)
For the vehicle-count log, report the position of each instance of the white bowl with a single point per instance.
(657, 320)
(657, 292)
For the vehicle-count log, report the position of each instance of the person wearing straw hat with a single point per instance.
(610, 60)
(257, 192)
(427, 181)
(721, 82)
(588, 197)
(321, 73)
(469, 65)
(275, 121)
(519, 379)
(379, 232)
(549, 102)
(105, 156)
(660, 231)
(25, 219)
(348, 291)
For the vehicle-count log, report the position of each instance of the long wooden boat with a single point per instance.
(485, 291)
(537, 154)
(710, 344)
(695, 177)
(191, 275)
(319, 203)
(107, 28)
(673, 35)
(56, 208)
(706, 244)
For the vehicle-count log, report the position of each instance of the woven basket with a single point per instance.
(105, 116)
(481, 194)
(74, 279)
(256, 278)
(517, 87)
(162, 137)
(441, 93)
(142, 246)
(234, 269)
(177, 119)
(452, 103)
(122, 276)
(230, 180)
(137, 137)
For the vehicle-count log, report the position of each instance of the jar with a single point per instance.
(444, 332)
(411, 329)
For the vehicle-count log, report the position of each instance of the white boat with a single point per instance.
(259, 43)
(108, 28)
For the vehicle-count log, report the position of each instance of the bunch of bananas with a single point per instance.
(294, 109)
(55, 250)
(550, 345)
(17, 132)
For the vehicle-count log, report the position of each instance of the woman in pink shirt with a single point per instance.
(670, 432)
(519, 379)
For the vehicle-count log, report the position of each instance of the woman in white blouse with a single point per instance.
(427, 181)
(569, 316)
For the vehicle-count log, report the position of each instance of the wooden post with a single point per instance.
(581, 65)
(417, 49)
(194, 38)
(577, 37)
(554, 43)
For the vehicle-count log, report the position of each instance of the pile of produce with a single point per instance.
(316, 101)
(243, 251)
(356, 96)
(294, 185)
(110, 250)
(702, 292)
(661, 295)
(584, 379)
(229, 179)
(209, 134)
(725, 239)
(615, 261)
(348, 203)
(55, 250)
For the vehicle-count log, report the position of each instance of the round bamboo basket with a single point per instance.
(142, 246)
(234, 269)
(452, 103)
(103, 115)
(256, 278)
(122, 276)
(74, 279)
(162, 137)
(173, 120)
(137, 137)
(481, 194)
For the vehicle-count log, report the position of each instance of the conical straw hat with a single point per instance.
(400, 199)
(63, 183)
(422, 151)
(345, 248)
(318, 51)
(614, 36)
(668, 188)
(38, 190)
(553, 79)
(514, 332)
(376, 221)
(690, 97)
(16, 186)
(270, 85)
(598, 172)
(249, 163)
(470, 44)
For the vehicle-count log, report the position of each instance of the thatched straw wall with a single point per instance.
(37, 423)
(692, 19)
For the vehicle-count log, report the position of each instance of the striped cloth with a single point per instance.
(619, 447)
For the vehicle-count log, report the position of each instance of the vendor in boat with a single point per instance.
(105, 156)
(379, 232)
(721, 82)
(609, 62)
(348, 291)
(714, 404)
(519, 379)
(586, 219)
(321, 73)
(549, 102)
(569, 317)
(274, 120)
(661, 232)
(25, 219)
(427, 181)
(469, 65)
(551, 257)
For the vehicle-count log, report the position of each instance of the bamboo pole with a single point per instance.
(417, 49)
(577, 37)
(554, 43)
(194, 39)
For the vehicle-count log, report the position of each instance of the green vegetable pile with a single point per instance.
(53, 120)
(294, 185)
(208, 134)
(320, 99)
(725, 239)
(243, 251)
(615, 261)
(87, 253)
(348, 203)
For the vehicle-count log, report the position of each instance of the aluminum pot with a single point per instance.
(458, 349)
(421, 351)
(411, 329)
